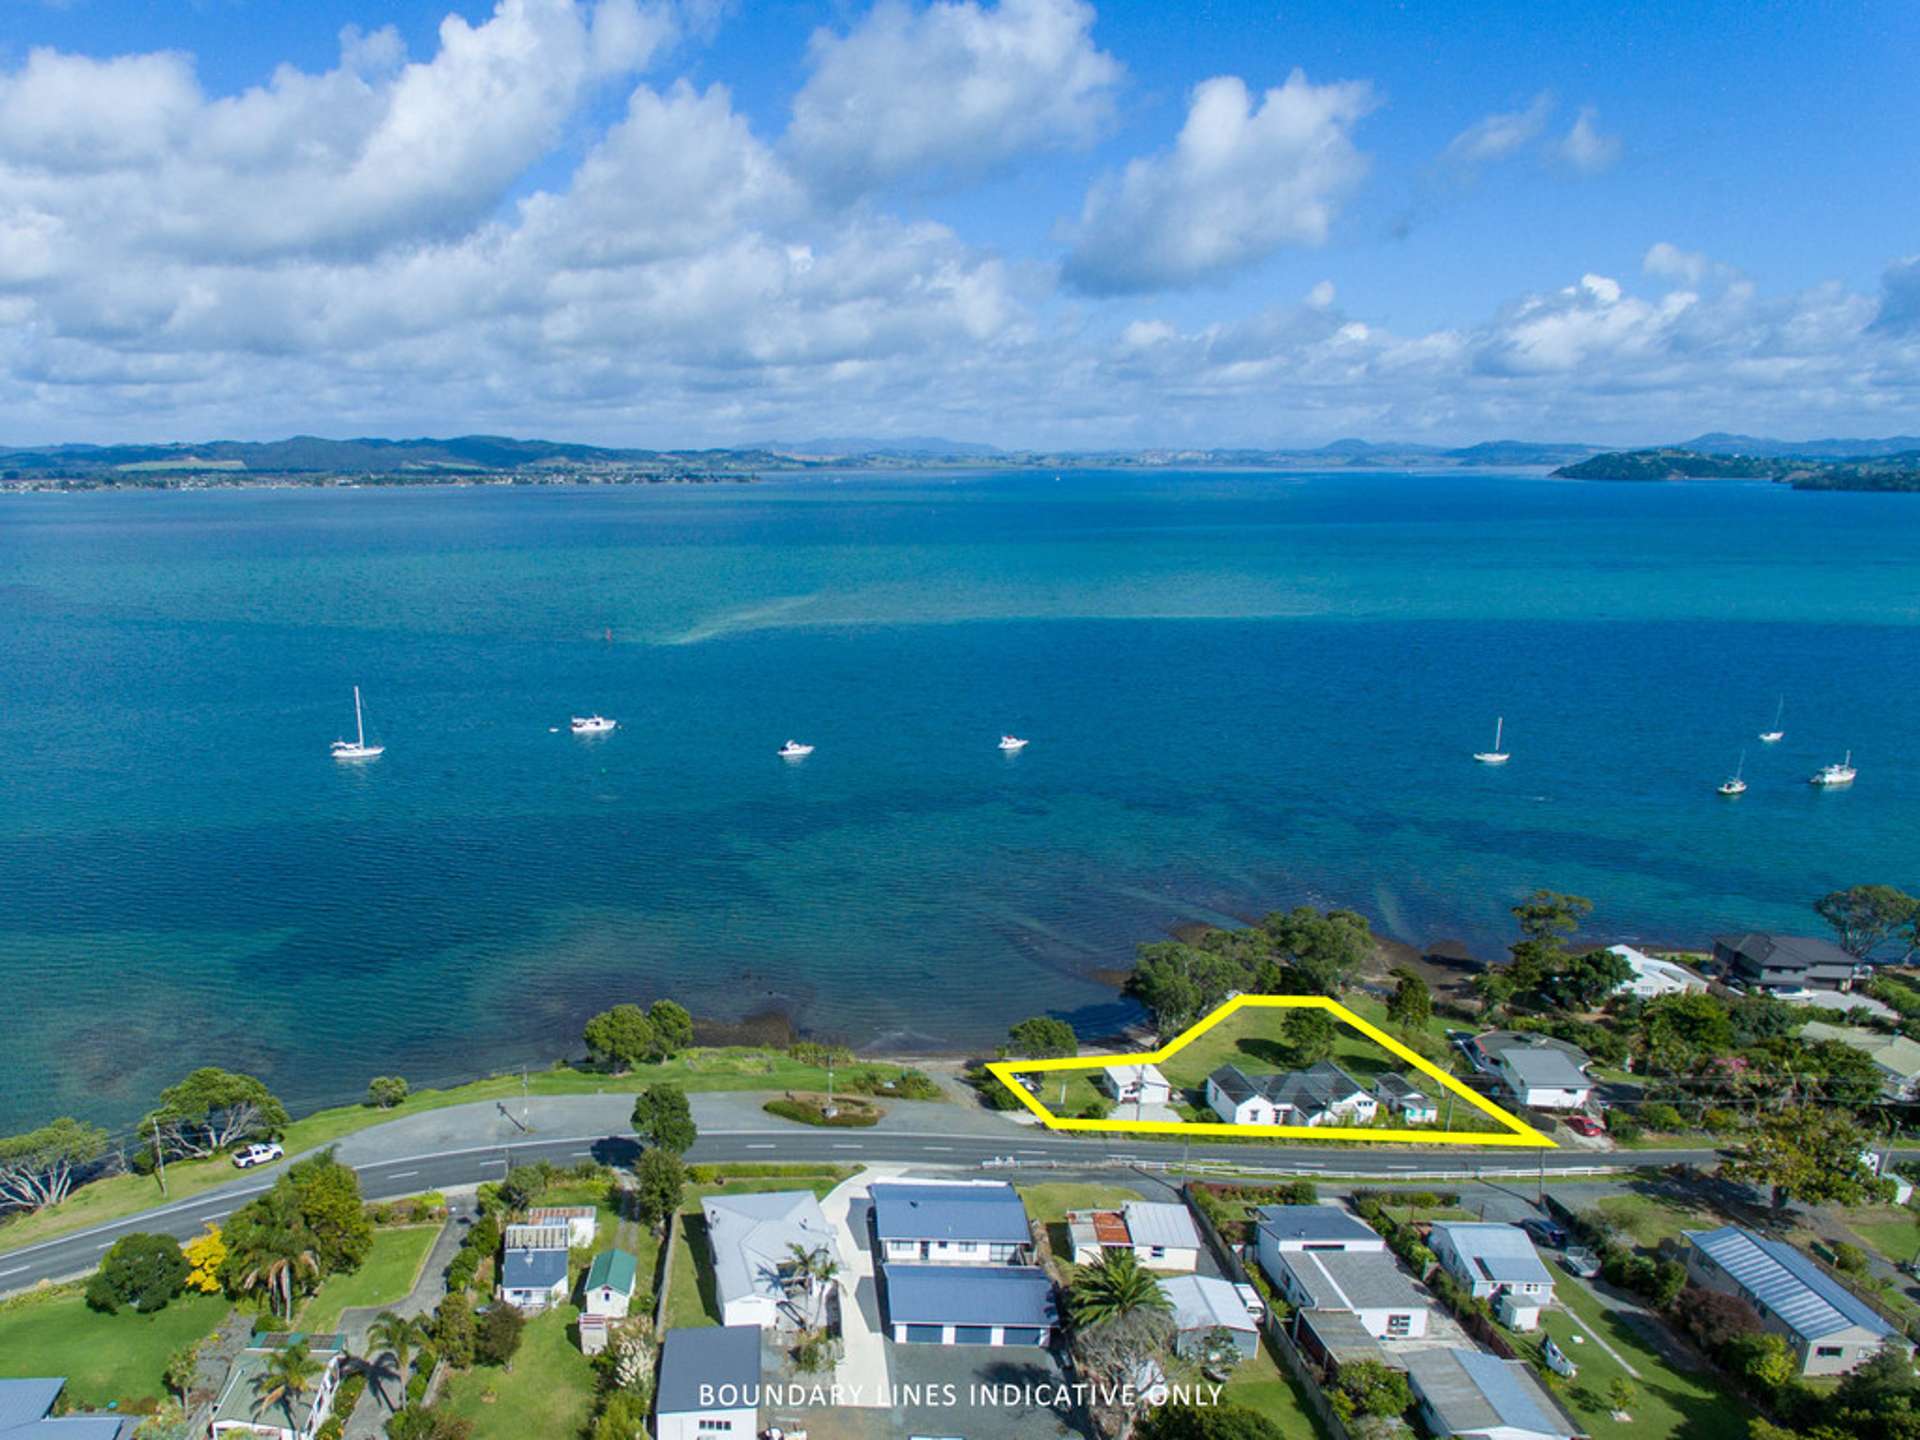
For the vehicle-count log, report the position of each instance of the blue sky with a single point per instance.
(1031, 222)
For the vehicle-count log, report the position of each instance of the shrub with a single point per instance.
(454, 1330)
(1623, 1126)
(1720, 1120)
(1850, 1259)
(807, 1113)
(347, 1397)
(142, 1271)
(499, 1335)
(386, 1091)
(1098, 1108)
(812, 1052)
(1660, 1116)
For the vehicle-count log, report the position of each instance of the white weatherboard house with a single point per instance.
(1366, 1283)
(1283, 1229)
(1539, 1071)
(1411, 1100)
(582, 1221)
(238, 1414)
(956, 1222)
(606, 1296)
(533, 1280)
(1830, 1329)
(1498, 1263)
(752, 1238)
(1322, 1094)
(1203, 1304)
(1466, 1392)
(1136, 1084)
(709, 1385)
(1653, 977)
(1162, 1237)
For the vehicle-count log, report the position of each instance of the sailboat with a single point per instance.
(1495, 756)
(1734, 784)
(1776, 734)
(357, 749)
(1841, 774)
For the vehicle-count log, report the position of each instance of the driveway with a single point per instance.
(862, 1373)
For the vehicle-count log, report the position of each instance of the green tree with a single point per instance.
(1323, 951)
(37, 1169)
(1620, 1394)
(1584, 981)
(386, 1091)
(183, 1368)
(499, 1338)
(332, 1211)
(815, 1270)
(620, 1038)
(1114, 1286)
(1042, 1038)
(1682, 1032)
(1411, 1004)
(140, 1271)
(672, 1027)
(1845, 1075)
(396, 1336)
(1865, 917)
(1180, 983)
(455, 1332)
(660, 1182)
(1545, 917)
(623, 1418)
(1208, 1422)
(1765, 1359)
(210, 1110)
(1310, 1036)
(1370, 1387)
(415, 1422)
(290, 1372)
(1809, 1153)
(663, 1117)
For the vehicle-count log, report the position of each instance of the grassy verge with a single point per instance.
(115, 1198)
(1892, 1231)
(391, 1270)
(107, 1359)
(1648, 1219)
(549, 1390)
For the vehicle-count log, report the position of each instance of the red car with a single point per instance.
(1585, 1125)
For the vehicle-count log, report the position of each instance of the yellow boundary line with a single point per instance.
(1515, 1131)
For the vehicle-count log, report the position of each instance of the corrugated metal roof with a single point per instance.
(1201, 1302)
(1152, 1223)
(751, 1238)
(1500, 1253)
(1787, 1283)
(615, 1268)
(1352, 1280)
(22, 1401)
(986, 1212)
(1468, 1392)
(968, 1295)
(533, 1269)
(712, 1355)
(1312, 1224)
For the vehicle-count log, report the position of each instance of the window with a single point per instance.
(716, 1427)
(1156, 1252)
(1399, 1326)
(1830, 1352)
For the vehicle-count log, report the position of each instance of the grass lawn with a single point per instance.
(388, 1276)
(731, 1068)
(1052, 1202)
(1260, 1384)
(105, 1358)
(1649, 1219)
(1893, 1231)
(1667, 1402)
(549, 1390)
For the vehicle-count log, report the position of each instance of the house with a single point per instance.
(1279, 1229)
(582, 1221)
(1406, 1098)
(954, 1222)
(709, 1384)
(1830, 1328)
(1366, 1283)
(611, 1281)
(555, 1235)
(1136, 1084)
(26, 1413)
(752, 1240)
(1162, 1237)
(1538, 1071)
(1498, 1263)
(532, 1280)
(1761, 960)
(1653, 977)
(1202, 1305)
(1894, 1056)
(238, 1413)
(1322, 1094)
(1465, 1392)
(968, 1304)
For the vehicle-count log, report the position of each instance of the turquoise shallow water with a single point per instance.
(1242, 691)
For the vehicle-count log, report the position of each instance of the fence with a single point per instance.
(666, 1275)
(1314, 1171)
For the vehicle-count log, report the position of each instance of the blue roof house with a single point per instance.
(1830, 1328)
(963, 1222)
(26, 1413)
(532, 1280)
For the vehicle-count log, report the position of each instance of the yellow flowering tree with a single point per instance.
(205, 1253)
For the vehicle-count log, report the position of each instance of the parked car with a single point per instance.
(1585, 1125)
(1250, 1297)
(247, 1156)
(1583, 1263)
(1544, 1232)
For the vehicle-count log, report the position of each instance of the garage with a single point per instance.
(977, 1305)
(924, 1334)
(1024, 1335)
(973, 1334)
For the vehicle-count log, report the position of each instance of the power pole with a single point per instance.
(524, 1088)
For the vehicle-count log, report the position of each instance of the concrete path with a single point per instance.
(863, 1372)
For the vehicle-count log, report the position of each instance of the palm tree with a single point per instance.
(394, 1336)
(274, 1272)
(289, 1373)
(1113, 1288)
(815, 1269)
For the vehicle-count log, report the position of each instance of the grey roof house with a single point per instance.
(1760, 959)
(1204, 1304)
(533, 1279)
(1465, 1392)
(752, 1238)
(26, 1413)
(1317, 1095)
(1366, 1283)
(1830, 1328)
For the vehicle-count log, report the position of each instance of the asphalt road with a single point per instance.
(451, 1168)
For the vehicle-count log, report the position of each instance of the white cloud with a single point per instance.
(956, 89)
(1498, 135)
(1585, 148)
(1242, 180)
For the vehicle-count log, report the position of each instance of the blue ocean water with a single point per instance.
(1243, 690)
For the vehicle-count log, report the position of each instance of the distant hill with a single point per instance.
(1719, 443)
(917, 447)
(1891, 472)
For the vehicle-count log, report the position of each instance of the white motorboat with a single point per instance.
(1841, 774)
(357, 749)
(794, 750)
(1734, 784)
(1012, 743)
(1776, 734)
(1495, 756)
(593, 724)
